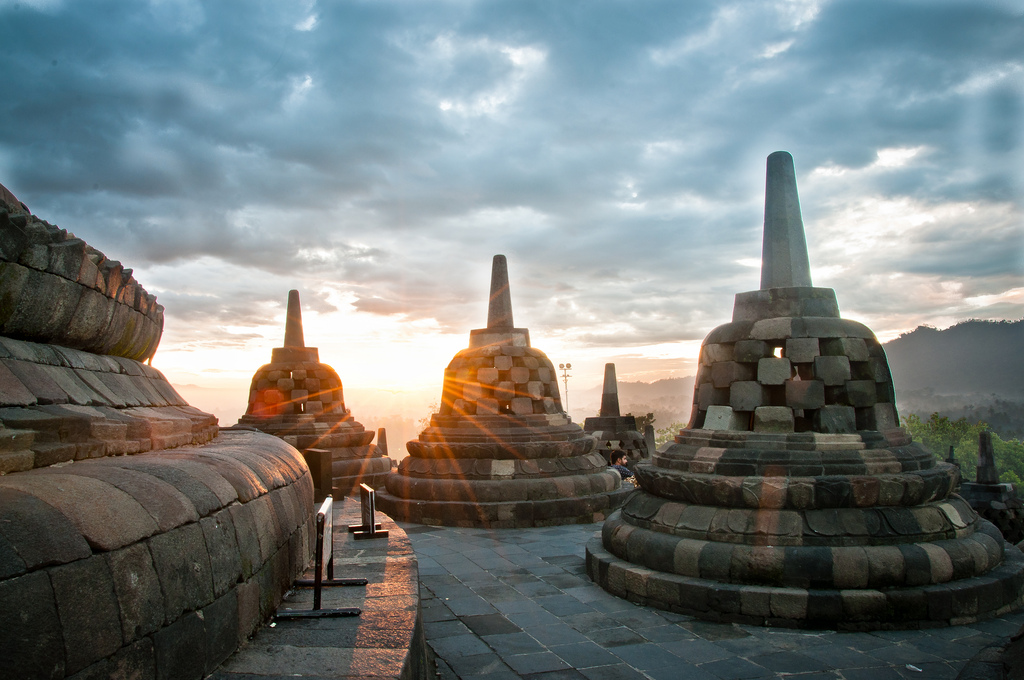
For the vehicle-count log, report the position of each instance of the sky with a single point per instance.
(375, 155)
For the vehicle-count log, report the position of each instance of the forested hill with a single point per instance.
(979, 357)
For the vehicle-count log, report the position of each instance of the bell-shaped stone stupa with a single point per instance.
(793, 498)
(501, 452)
(612, 430)
(300, 400)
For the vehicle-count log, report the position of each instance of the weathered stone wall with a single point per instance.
(59, 404)
(55, 288)
(155, 565)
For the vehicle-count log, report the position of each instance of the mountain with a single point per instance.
(973, 357)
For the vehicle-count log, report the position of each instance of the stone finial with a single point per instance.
(987, 472)
(293, 322)
(610, 393)
(499, 309)
(784, 262)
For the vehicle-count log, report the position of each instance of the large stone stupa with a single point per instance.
(300, 400)
(793, 498)
(501, 452)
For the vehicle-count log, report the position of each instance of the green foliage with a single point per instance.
(643, 421)
(667, 434)
(938, 433)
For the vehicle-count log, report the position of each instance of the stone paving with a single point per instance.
(511, 603)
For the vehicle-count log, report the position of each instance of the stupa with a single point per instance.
(793, 498)
(501, 452)
(612, 430)
(300, 400)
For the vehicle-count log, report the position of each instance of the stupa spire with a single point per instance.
(784, 262)
(610, 393)
(293, 322)
(499, 309)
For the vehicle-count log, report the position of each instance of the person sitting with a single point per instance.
(619, 459)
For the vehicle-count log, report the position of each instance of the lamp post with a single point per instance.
(565, 368)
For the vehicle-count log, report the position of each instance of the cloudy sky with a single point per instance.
(375, 155)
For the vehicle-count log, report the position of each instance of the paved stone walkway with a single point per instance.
(517, 603)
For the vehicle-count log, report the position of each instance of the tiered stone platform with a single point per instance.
(612, 430)
(501, 452)
(793, 498)
(126, 550)
(300, 400)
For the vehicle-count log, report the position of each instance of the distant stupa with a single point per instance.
(615, 432)
(793, 498)
(300, 400)
(501, 452)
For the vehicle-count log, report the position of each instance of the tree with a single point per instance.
(938, 433)
(643, 421)
(667, 434)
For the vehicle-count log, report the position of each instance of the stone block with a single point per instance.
(855, 349)
(879, 417)
(165, 504)
(709, 395)
(503, 362)
(775, 329)
(522, 406)
(183, 566)
(118, 521)
(31, 642)
(789, 603)
(535, 389)
(487, 376)
(38, 532)
(805, 394)
(747, 395)
(835, 419)
(751, 351)
(519, 374)
(773, 419)
(472, 391)
(832, 370)
(12, 391)
(220, 620)
(861, 393)
(225, 564)
(487, 407)
(724, 418)
(711, 354)
(724, 373)
(88, 610)
(774, 371)
(181, 648)
(37, 381)
(505, 390)
(801, 350)
(138, 591)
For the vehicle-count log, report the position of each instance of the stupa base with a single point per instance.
(949, 604)
(349, 474)
(504, 515)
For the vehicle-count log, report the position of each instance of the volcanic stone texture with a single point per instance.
(55, 288)
(500, 452)
(795, 375)
(59, 405)
(793, 498)
(155, 565)
(303, 403)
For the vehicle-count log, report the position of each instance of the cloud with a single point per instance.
(378, 154)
